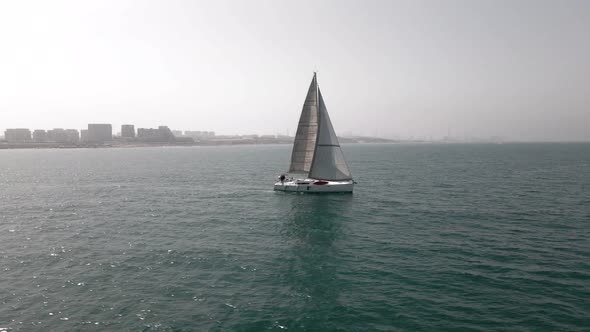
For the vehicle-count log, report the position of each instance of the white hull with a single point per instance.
(315, 186)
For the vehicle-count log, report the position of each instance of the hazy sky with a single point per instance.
(519, 69)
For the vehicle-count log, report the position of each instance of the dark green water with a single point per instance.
(435, 238)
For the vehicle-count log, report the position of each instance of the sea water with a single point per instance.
(443, 237)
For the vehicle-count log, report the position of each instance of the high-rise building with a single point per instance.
(204, 135)
(57, 135)
(83, 135)
(128, 130)
(166, 132)
(72, 136)
(162, 134)
(99, 133)
(18, 135)
(39, 136)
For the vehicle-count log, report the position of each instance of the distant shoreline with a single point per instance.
(207, 142)
(118, 145)
(13, 146)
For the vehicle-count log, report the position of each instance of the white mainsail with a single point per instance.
(316, 149)
(305, 138)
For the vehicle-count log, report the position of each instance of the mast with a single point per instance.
(317, 134)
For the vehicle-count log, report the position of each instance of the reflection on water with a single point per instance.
(315, 219)
(314, 231)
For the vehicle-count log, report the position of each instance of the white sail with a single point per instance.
(305, 138)
(328, 161)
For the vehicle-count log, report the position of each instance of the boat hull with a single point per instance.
(315, 186)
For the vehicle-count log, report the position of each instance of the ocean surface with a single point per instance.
(435, 238)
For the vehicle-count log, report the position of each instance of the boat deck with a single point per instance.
(311, 185)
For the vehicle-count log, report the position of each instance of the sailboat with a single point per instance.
(316, 152)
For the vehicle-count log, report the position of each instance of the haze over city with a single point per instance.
(519, 70)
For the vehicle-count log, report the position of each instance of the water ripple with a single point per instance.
(435, 238)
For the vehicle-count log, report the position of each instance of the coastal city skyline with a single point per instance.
(97, 133)
(449, 133)
(105, 134)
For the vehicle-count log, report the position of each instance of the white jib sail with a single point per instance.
(328, 161)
